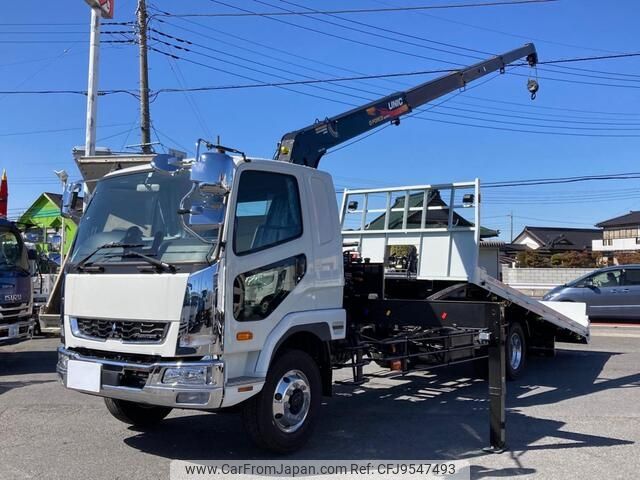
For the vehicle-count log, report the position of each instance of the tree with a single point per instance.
(575, 259)
(627, 258)
(532, 259)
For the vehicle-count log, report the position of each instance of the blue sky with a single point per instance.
(37, 52)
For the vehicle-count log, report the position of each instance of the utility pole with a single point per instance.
(145, 121)
(511, 222)
(92, 87)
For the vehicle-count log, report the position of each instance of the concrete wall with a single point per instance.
(536, 282)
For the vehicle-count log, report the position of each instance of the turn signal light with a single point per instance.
(244, 336)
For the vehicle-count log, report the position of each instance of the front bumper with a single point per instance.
(142, 382)
(10, 332)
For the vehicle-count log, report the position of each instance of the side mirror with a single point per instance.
(352, 206)
(70, 198)
(166, 163)
(212, 178)
(213, 173)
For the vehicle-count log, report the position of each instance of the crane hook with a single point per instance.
(533, 87)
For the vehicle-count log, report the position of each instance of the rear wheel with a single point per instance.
(282, 416)
(516, 351)
(137, 414)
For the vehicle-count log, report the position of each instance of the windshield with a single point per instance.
(140, 210)
(12, 252)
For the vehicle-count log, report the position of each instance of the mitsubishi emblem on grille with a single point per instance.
(113, 330)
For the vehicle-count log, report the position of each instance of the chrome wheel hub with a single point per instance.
(515, 349)
(291, 401)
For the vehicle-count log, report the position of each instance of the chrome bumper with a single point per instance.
(10, 332)
(117, 375)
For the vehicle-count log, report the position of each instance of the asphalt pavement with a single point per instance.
(576, 415)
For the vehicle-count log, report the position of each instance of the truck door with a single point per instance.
(266, 255)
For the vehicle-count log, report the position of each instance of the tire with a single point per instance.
(136, 414)
(516, 351)
(295, 377)
(36, 328)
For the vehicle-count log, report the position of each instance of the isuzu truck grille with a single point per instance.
(133, 332)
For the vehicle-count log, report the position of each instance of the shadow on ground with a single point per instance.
(16, 362)
(413, 417)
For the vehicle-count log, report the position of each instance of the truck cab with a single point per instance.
(182, 291)
(15, 285)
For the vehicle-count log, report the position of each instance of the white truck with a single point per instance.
(231, 282)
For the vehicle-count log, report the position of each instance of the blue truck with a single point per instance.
(16, 298)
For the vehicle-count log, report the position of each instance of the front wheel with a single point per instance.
(137, 414)
(516, 351)
(282, 416)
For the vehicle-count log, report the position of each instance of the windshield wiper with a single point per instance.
(85, 261)
(160, 265)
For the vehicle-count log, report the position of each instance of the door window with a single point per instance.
(607, 279)
(632, 276)
(258, 292)
(267, 213)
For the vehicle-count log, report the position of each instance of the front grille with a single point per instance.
(10, 314)
(12, 305)
(134, 332)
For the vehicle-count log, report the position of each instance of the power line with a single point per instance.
(347, 39)
(66, 92)
(549, 62)
(520, 130)
(367, 10)
(207, 29)
(395, 32)
(581, 82)
(561, 180)
(561, 120)
(602, 57)
(253, 69)
(562, 127)
(282, 85)
(175, 68)
(501, 32)
(587, 59)
(544, 115)
(55, 130)
(544, 107)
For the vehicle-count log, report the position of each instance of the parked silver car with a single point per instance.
(611, 292)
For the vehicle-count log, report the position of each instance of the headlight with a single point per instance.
(187, 376)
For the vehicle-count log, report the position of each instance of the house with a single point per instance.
(619, 234)
(42, 222)
(550, 240)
